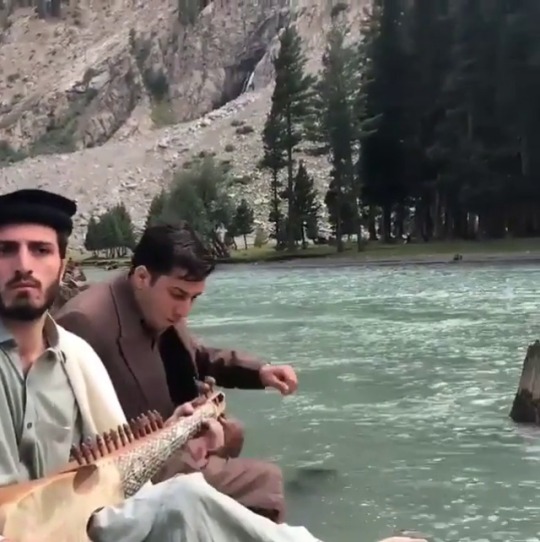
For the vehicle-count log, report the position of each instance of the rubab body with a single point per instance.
(104, 471)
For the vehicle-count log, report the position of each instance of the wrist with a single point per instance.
(262, 371)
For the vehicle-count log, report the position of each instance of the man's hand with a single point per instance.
(206, 387)
(212, 431)
(213, 435)
(280, 377)
(187, 409)
(234, 437)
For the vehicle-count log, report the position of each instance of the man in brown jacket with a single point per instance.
(137, 325)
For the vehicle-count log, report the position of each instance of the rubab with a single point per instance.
(103, 471)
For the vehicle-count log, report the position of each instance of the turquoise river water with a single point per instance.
(406, 378)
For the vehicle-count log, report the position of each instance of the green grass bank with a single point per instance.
(504, 249)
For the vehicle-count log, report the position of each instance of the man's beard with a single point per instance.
(21, 309)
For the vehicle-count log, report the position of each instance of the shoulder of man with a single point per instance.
(76, 348)
(69, 341)
(87, 312)
(85, 324)
(87, 300)
(91, 383)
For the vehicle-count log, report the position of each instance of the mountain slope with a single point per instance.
(90, 83)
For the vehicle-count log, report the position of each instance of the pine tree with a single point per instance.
(109, 233)
(366, 124)
(312, 229)
(91, 240)
(383, 160)
(274, 160)
(335, 127)
(291, 104)
(243, 221)
(125, 226)
(200, 196)
(342, 211)
(155, 210)
(306, 206)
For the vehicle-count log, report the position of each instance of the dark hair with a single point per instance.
(165, 247)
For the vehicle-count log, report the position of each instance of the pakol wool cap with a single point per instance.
(35, 206)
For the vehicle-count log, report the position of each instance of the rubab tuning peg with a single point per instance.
(101, 445)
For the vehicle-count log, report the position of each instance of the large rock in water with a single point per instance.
(526, 407)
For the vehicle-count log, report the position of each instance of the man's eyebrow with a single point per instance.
(31, 243)
(179, 289)
(41, 243)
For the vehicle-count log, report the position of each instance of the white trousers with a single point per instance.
(187, 509)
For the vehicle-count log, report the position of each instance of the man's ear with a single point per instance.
(141, 277)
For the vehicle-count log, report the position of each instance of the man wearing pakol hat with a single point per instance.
(54, 391)
(47, 375)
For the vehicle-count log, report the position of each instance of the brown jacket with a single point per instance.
(107, 317)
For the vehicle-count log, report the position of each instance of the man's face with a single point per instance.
(168, 299)
(30, 271)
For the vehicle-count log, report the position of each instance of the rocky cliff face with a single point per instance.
(70, 83)
(87, 97)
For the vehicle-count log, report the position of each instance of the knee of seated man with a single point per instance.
(269, 473)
